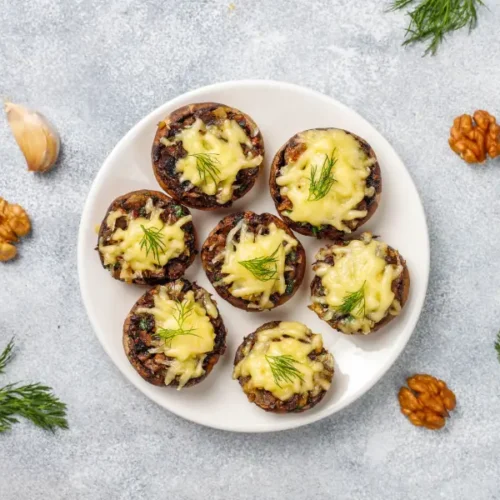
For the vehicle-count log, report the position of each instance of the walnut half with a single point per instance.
(14, 223)
(475, 139)
(427, 401)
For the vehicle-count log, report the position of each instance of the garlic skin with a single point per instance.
(37, 138)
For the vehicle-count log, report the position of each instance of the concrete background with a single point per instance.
(96, 67)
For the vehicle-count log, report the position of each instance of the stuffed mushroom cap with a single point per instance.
(254, 261)
(146, 238)
(207, 155)
(174, 334)
(325, 182)
(359, 285)
(283, 367)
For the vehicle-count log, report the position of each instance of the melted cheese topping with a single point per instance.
(185, 353)
(127, 249)
(360, 265)
(222, 145)
(351, 169)
(241, 281)
(289, 338)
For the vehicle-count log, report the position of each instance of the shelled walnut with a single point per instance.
(14, 223)
(474, 138)
(427, 401)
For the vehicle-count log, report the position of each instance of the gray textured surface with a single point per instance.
(96, 67)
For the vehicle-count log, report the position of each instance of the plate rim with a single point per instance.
(84, 227)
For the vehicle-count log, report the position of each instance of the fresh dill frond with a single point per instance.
(354, 303)
(283, 369)
(178, 210)
(207, 167)
(263, 268)
(6, 355)
(152, 241)
(320, 186)
(35, 402)
(497, 345)
(168, 335)
(145, 323)
(431, 20)
(181, 314)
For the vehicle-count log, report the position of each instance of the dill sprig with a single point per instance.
(207, 166)
(178, 210)
(354, 303)
(497, 345)
(6, 356)
(263, 268)
(283, 369)
(319, 187)
(431, 20)
(152, 241)
(35, 402)
(181, 314)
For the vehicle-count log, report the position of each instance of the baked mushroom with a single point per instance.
(207, 155)
(146, 238)
(359, 285)
(325, 182)
(174, 334)
(253, 261)
(283, 367)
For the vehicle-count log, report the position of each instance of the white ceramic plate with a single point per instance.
(280, 110)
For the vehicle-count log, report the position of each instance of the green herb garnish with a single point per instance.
(497, 345)
(315, 231)
(354, 303)
(282, 368)
(35, 402)
(178, 211)
(431, 20)
(263, 268)
(152, 241)
(207, 167)
(6, 356)
(145, 323)
(319, 187)
(181, 314)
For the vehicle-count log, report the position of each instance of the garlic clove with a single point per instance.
(37, 138)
